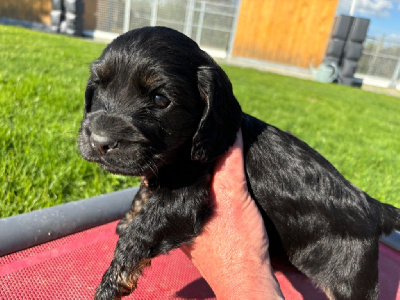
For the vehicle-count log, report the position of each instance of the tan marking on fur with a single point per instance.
(129, 285)
(328, 293)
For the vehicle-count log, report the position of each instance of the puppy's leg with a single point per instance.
(357, 277)
(168, 219)
(344, 291)
(345, 270)
(138, 202)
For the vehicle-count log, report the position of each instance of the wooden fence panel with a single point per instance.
(27, 10)
(39, 11)
(292, 32)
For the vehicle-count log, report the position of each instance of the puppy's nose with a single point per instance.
(102, 144)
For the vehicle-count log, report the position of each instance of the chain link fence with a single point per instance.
(210, 23)
(381, 60)
(110, 16)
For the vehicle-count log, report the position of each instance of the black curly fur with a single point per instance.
(328, 228)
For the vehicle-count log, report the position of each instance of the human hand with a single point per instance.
(232, 251)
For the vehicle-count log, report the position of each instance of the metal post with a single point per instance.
(127, 16)
(201, 21)
(396, 73)
(353, 7)
(189, 17)
(233, 32)
(154, 10)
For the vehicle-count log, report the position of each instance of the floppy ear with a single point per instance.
(222, 115)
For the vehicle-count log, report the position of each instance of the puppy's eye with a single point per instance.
(161, 101)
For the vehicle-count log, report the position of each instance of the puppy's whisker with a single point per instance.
(152, 166)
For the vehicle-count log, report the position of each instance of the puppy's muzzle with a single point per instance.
(103, 134)
(102, 144)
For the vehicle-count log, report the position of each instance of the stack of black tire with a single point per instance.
(345, 46)
(67, 16)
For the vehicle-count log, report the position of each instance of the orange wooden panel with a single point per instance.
(39, 11)
(90, 18)
(293, 32)
(27, 10)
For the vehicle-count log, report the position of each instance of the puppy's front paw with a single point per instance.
(117, 283)
(112, 287)
(107, 291)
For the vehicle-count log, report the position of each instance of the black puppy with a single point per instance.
(159, 107)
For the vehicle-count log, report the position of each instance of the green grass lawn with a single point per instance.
(42, 82)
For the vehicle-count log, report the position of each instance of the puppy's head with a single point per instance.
(154, 98)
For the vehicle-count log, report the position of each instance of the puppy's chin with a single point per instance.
(118, 166)
(120, 170)
(123, 163)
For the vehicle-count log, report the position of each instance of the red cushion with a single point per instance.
(72, 267)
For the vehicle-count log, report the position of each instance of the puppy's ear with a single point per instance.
(221, 118)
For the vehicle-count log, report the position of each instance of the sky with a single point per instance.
(384, 16)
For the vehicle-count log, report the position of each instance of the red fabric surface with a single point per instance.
(72, 267)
